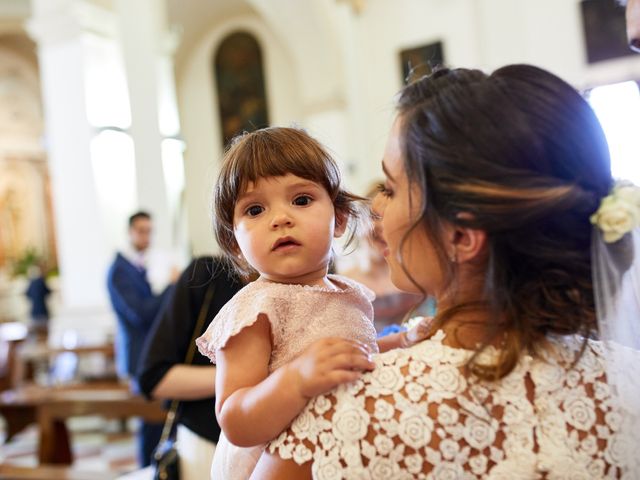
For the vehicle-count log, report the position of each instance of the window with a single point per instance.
(618, 109)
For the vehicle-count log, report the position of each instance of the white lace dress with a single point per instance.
(418, 416)
(298, 315)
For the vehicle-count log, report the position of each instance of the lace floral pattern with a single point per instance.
(418, 416)
(298, 314)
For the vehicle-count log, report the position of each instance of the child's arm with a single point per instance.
(407, 338)
(252, 406)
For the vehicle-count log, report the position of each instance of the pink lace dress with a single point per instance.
(299, 315)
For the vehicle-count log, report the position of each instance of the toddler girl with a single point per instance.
(296, 331)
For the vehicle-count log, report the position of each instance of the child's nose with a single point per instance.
(281, 219)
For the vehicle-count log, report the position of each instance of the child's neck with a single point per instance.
(312, 279)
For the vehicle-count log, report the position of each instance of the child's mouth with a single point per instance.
(286, 243)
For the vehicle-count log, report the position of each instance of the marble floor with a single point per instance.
(98, 445)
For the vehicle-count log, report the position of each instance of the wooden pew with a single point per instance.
(39, 355)
(50, 407)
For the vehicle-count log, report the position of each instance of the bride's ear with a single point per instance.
(466, 244)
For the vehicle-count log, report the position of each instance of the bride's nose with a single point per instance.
(377, 206)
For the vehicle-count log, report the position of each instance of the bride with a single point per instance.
(499, 202)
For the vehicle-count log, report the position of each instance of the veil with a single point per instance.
(616, 283)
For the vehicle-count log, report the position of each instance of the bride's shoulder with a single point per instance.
(431, 352)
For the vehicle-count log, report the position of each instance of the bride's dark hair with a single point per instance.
(522, 155)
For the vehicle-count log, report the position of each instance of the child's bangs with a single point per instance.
(269, 159)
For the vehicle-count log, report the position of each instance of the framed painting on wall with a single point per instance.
(605, 31)
(242, 98)
(418, 61)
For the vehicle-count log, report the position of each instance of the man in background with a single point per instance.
(136, 306)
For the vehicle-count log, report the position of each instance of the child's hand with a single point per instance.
(418, 332)
(328, 363)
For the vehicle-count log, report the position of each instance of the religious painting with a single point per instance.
(419, 61)
(239, 73)
(604, 30)
(26, 217)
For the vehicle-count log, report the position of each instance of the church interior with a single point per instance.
(108, 107)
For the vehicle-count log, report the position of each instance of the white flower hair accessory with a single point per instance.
(619, 212)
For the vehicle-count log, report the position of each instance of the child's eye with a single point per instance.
(302, 200)
(254, 210)
(384, 190)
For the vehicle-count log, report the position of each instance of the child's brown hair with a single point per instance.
(274, 152)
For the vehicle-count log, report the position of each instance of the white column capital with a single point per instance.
(148, 19)
(170, 41)
(56, 21)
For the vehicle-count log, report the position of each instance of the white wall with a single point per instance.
(483, 34)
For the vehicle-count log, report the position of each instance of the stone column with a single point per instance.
(63, 31)
(147, 48)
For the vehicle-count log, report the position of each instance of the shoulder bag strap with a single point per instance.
(171, 414)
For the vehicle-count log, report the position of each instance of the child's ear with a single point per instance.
(340, 224)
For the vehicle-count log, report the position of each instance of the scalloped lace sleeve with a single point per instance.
(298, 314)
(240, 312)
(418, 416)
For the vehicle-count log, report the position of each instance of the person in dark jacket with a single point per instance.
(136, 306)
(163, 374)
(37, 293)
